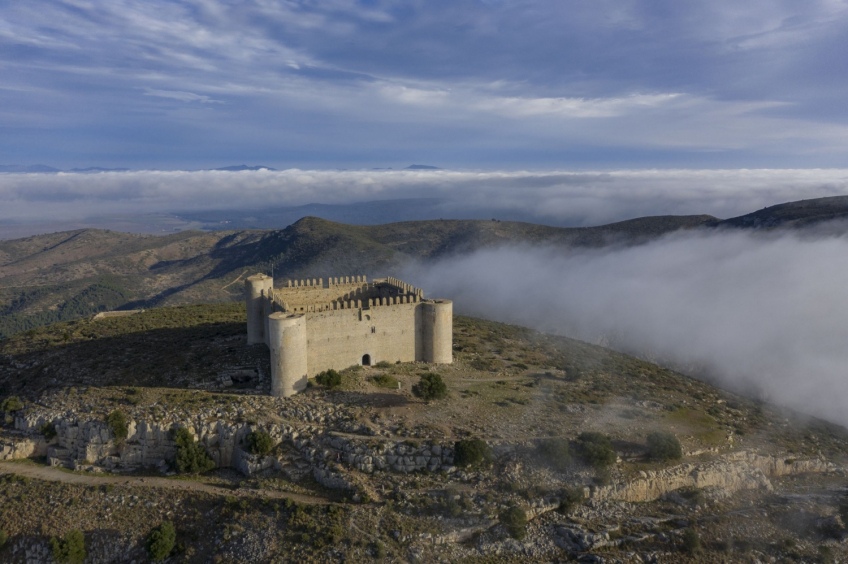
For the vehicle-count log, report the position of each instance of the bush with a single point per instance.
(570, 497)
(4, 538)
(514, 520)
(11, 403)
(430, 387)
(259, 442)
(556, 452)
(117, 422)
(383, 364)
(329, 378)
(691, 543)
(664, 446)
(161, 541)
(596, 449)
(471, 452)
(191, 457)
(71, 549)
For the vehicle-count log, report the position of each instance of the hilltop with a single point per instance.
(68, 275)
(370, 470)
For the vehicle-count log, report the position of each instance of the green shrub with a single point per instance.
(69, 550)
(329, 378)
(48, 430)
(4, 538)
(430, 387)
(259, 442)
(383, 364)
(385, 381)
(664, 446)
(556, 452)
(514, 520)
(471, 452)
(569, 498)
(11, 403)
(117, 421)
(191, 457)
(691, 543)
(596, 449)
(161, 541)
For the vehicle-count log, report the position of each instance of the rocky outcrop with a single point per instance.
(149, 444)
(733, 472)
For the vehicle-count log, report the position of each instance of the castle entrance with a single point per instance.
(366, 360)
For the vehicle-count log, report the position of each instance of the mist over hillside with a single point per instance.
(763, 314)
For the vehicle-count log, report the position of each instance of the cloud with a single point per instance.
(576, 198)
(535, 84)
(752, 313)
(181, 96)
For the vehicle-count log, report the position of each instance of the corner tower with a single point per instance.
(257, 297)
(435, 331)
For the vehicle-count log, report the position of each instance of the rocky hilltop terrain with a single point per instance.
(542, 448)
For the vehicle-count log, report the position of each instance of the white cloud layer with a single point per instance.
(556, 197)
(765, 316)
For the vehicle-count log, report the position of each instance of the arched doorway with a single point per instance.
(366, 360)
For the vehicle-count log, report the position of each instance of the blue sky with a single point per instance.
(463, 84)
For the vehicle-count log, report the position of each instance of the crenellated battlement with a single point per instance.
(315, 324)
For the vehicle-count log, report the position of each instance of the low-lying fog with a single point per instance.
(764, 315)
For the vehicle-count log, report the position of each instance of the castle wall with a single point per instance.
(340, 338)
(311, 291)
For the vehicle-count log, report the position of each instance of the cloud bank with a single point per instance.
(557, 197)
(767, 315)
(192, 83)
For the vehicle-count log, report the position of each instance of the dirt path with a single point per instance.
(50, 474)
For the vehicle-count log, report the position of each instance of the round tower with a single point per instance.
(437, 331)
(257, 289)
(287, 340)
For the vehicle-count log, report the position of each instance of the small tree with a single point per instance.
(259, 442)
(556, 452)
(117, 422)
(514, 520)
(691, 543)
(191, 457)
(329, 378)
(161, 541)
(71, 549)
(11, 404)
(430, 387)
(471, 452)
(664, 446)
(596, 449)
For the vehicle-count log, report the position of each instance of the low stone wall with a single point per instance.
(149, 444)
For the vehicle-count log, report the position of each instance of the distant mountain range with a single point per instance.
(70, 274)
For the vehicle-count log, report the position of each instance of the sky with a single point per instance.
(460, 84)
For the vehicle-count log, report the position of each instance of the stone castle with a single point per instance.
(314, 325)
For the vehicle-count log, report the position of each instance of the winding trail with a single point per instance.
(50, 474)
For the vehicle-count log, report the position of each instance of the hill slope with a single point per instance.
(750, 476)
(68, 275)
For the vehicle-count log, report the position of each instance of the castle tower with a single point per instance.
(287, 340)
(257, 291)
(436, 331)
